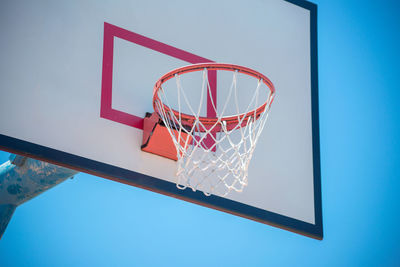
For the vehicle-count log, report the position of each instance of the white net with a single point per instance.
(214, 156)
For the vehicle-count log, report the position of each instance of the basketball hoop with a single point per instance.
(214, 150)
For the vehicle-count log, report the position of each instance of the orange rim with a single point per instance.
(231, 121)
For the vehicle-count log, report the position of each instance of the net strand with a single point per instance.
(209, 157)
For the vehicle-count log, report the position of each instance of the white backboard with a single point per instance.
(76, 80)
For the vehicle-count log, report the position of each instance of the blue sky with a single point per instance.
(90, 221)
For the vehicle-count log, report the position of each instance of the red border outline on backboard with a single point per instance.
(111, 31)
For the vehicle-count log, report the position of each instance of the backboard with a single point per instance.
(76, 81)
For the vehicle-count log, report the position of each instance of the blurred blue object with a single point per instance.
(22, 179)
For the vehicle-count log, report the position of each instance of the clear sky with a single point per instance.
(90, 221)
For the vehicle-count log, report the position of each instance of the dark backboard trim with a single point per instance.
(107, 171)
